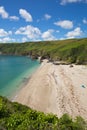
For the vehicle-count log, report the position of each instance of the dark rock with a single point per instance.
(71, 65)
(33, 57)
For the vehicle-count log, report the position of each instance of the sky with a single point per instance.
(42, 20)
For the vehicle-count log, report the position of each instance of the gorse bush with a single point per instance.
(14, 116)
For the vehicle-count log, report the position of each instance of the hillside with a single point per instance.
(14, 116)
(71, 51)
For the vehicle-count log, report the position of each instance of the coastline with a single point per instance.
(22, 85)
(24, 82)
(56, 89)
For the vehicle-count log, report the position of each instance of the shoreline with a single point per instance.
(24, 82)
(56, 89)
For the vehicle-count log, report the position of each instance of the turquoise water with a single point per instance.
(14, 73)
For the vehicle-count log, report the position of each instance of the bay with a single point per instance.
(14, 73)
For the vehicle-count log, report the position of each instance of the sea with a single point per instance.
(15, 72)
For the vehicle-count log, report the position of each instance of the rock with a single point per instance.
(71, 65)
(33, 57)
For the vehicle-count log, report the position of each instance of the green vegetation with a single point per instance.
(71, 51)
(14, 116)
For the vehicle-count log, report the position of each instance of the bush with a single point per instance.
(14, 116)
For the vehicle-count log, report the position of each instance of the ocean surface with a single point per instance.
(14, 73)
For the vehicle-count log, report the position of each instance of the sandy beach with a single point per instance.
(57, 89)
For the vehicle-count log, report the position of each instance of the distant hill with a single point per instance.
(71, 50)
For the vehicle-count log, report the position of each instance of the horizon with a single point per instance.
(28, 21)
(42, 41)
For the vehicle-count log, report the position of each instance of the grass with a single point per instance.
(72, 50)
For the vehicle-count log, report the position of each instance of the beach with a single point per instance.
(56, 89)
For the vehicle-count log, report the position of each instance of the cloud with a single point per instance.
(64, 2)
(7, 40)
(14, 18)
(48, 35)
(47, 16)
(24, 39)
(62, 38)
(3, 13)
(29, 31)
(85, 21)
(57, 31)
(66, 24)
(34, 34)
(38, 20)
(26, 15)
(75, 33)
(4, 33)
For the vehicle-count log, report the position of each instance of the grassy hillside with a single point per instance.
(72, 51)
(14, 116)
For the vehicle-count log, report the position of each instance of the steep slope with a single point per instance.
(72, 51)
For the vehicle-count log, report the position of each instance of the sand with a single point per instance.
(57, 89)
